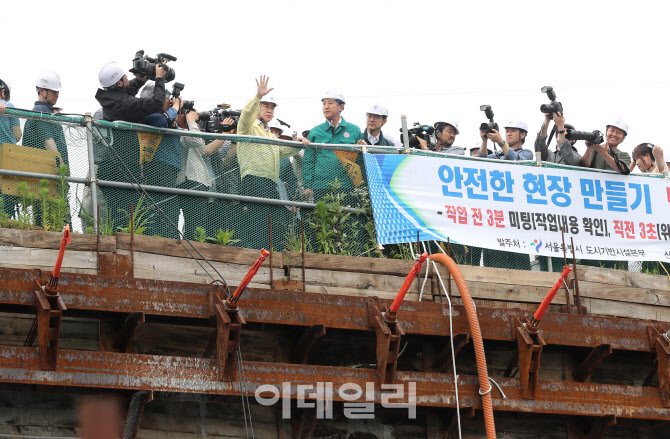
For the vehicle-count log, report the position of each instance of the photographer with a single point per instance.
(117, 95)
(195, 174)
(160, 161)
(375, 120)
(649, 158)
(446, 133)
(565, 153)
(608, 156)
(511, 148)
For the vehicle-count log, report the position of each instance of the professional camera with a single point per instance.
(593, 138)
(554, 106)
(487, 127)
(426, 132)
(211, 120)
(146, 65)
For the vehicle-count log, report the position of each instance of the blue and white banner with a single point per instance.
(519, 208)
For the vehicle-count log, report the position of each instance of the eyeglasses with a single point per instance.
(373, 116)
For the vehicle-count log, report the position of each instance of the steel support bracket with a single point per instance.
(228, 330)
(529, 347)
(49, 310)
(388, 336)
(662, 348)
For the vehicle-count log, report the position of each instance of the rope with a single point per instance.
(244, 395)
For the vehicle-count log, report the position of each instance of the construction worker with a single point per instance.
(511, 148)
(320, 166)
(42, 134)
(565, 153)
(10, 132)
(375, 119)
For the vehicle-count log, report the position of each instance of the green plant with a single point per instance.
(223, 237)
(44, 201)
(24, 216)
(60, 211)
(400, 251)
(141, 218)
(336, 229)
(200, 235)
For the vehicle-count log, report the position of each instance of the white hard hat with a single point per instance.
(331, 94)
(110, 74)
(453, 123)
(269, 99)
(623, 126)
(274, 123)
(4, 83)
(48, 80)
(517, 124)
(148, 91)
(379, 110)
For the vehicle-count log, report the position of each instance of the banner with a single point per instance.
(519, 208)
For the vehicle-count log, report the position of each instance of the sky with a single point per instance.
(430, 60)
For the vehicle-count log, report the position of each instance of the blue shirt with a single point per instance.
(168, 150)
(6, 124)
(513, 154)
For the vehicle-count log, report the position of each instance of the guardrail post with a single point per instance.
(92, 179)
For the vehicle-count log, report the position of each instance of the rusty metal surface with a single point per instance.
(196, 375)
(82, 292)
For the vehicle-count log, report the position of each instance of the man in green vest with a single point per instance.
(321, 166)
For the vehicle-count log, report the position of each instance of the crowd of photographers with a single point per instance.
(265, 170)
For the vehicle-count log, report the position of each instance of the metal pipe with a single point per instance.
(170, 190)
(405, 133)
(12, 173)
(91, 169)
(272, 280)
(578, 298)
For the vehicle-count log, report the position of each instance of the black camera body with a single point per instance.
(593, 138)
(554, 106)
(489, 126)
(425, 132)
(211, 120)
(146, 65)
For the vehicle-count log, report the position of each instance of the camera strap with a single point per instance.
(623, 169)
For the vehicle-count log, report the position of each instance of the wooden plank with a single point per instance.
(503, 275)
(629, 310)
(215, 252)
(624, 293)
(622, 278)
(52, 240)
(45, 259)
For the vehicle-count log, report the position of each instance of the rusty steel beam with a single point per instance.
(100, 294)
(106, 370)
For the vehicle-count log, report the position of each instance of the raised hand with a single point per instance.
(262, 84)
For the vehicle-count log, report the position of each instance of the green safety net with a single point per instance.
(54, 150)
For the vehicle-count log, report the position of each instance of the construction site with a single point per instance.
(271, 335)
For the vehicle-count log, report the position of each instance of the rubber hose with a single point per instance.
(476, 332)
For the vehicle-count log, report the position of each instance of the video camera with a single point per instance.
(425, 132)
(146, 65)
(186, 106)
(211, 120)
(593, 138)
(487, 127)
(554, 106)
